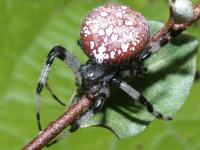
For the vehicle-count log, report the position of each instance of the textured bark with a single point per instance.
(56, 127)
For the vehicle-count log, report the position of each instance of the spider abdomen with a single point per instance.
(113, 34)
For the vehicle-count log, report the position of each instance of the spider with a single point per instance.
(115, 39)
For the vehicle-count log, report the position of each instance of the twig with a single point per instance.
(56, 127)
(161, 38)
(170, 31)
(182, 27)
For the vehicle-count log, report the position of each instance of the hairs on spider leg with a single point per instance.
(54, 95)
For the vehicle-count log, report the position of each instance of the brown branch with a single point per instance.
(168, 25)
(56, 127)
(182, 27)
(170, 31)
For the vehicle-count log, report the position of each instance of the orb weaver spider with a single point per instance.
(116, 40)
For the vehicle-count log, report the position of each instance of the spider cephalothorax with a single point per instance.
(115, 38)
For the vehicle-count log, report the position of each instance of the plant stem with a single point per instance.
(170, 31)
(56, 127)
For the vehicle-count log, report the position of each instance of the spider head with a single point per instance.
(92, 77)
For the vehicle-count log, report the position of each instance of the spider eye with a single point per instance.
(113, 34)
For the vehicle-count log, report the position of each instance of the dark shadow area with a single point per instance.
(182, 39)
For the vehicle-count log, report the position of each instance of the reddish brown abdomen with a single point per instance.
(113, 34)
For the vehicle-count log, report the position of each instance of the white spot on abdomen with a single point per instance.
(132, 48)
(128, 23)
(107, 56)
(100, 54)
(119, 14)
(109, 30)
(134, 43)
(114, 37)
(104, 14)
(125, 47)
(101, 32)
(86, 31)
(105, 40)
(92, 44)
(112, 54)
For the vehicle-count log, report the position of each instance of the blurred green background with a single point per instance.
(28, 30)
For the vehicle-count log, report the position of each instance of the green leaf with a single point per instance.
(166, 85)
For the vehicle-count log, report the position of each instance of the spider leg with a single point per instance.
(86, 116)
(152, 49)
(139, 98)
(144, 55)
(64, 55)
(54, 95)
(103, 95)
